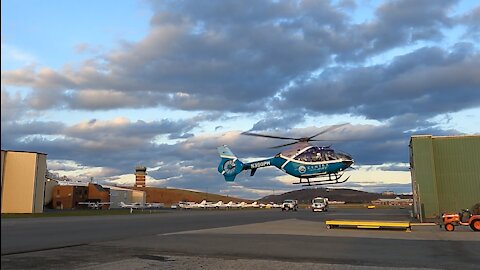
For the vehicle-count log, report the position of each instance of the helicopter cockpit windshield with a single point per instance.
(316, 154)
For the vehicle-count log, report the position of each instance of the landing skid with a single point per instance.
(333, 178)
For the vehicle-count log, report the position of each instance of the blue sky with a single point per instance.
(103, 86)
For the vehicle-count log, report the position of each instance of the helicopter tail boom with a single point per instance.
(230, 165)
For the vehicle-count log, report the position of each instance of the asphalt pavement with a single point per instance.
(232, 239)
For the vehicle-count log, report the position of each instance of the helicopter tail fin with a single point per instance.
(230, 165)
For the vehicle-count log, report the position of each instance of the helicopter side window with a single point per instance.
(311, 155)
(330, 155)
(317, 154)
(325, 155)
(322, 156)
(299, 157)
(305, 156)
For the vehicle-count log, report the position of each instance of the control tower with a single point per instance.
(140, 174)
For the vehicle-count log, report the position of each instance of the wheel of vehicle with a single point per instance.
(475, 225)
(449, 227)
(329, 227)
(294, 209)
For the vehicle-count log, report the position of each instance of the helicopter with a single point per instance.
(312, 165)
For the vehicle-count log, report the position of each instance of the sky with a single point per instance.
(104, 86)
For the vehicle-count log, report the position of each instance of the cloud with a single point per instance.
(472, 21)
(396, 24)
(274, 67)
(12, 107)
(193, 59)
(107, 149)
(16, 56)
(413, 83)
(283, 121)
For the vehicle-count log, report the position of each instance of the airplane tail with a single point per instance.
(230, 165)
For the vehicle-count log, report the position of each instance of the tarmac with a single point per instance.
(282, 227)
(194, 263)
(289, 241)
(312, 228)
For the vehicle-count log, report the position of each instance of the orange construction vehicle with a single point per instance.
(465, 218)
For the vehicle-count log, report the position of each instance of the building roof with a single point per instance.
(446, 136)
(117, 188)
(71, 183)
(20, 151)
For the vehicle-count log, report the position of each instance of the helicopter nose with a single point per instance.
(347, 163)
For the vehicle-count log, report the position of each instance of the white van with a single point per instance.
(320, 204)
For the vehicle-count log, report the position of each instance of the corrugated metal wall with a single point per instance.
(445, 173)
(423, 172)
(457, 171)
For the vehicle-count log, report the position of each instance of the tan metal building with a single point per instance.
(139, 196)
(445, 174)
(23, 181)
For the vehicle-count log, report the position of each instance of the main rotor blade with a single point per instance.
(327, 130)
(287, 144)
(268, 136)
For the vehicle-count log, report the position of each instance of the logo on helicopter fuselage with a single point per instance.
(260, 164)
(317, 167)
(312, 168)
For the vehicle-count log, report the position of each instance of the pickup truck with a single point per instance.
(290, 205)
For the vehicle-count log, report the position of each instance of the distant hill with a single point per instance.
(346, 195)
(171, 196)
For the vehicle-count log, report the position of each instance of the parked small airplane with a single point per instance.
(219, 204)
(186, 205)
(94, 205)
(154, 205)
(204, 204)
(273, 205)
(135, 205)
(251, 205)
(231, 204)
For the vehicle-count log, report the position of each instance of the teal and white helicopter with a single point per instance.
(302, 160)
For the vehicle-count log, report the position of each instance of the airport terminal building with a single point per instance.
(445, 174)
